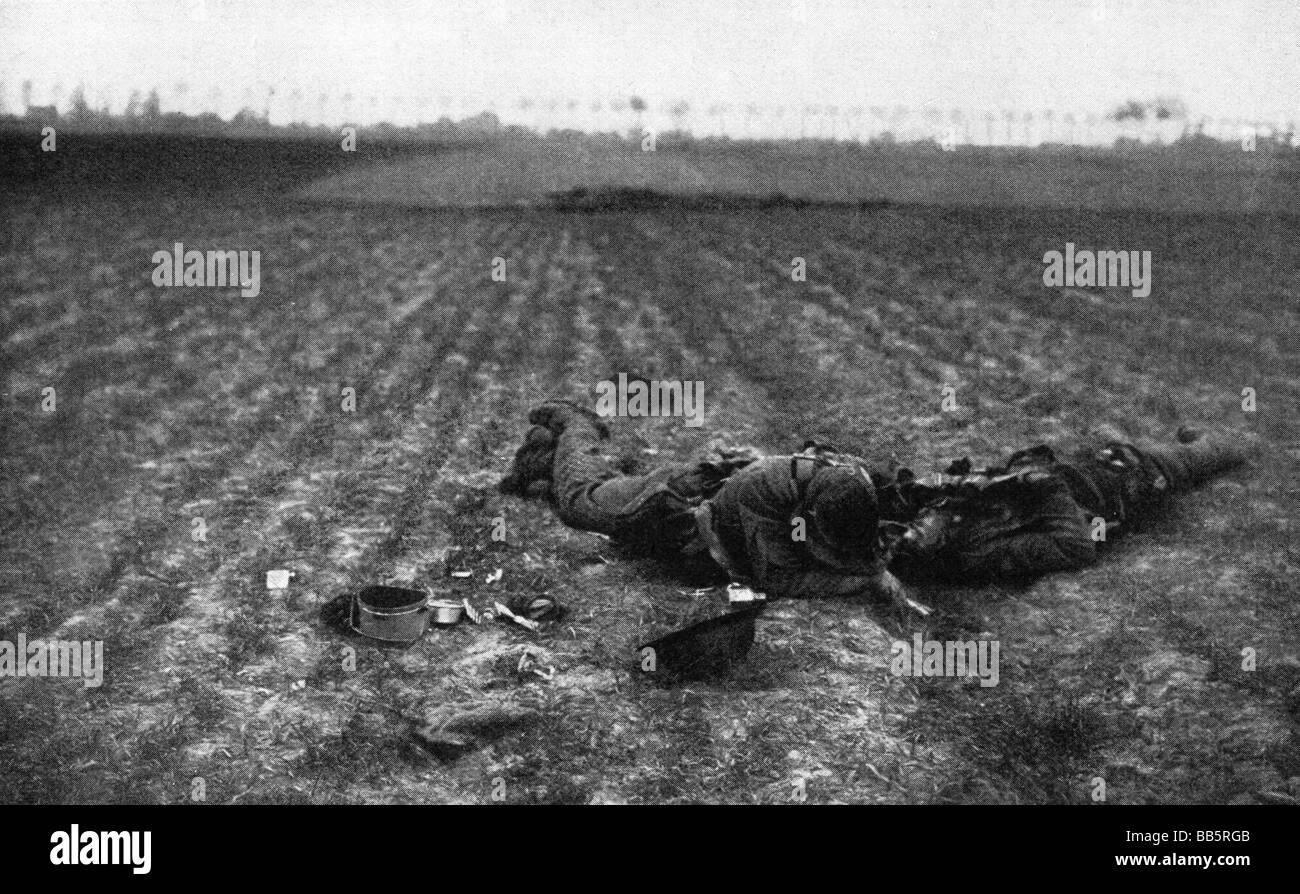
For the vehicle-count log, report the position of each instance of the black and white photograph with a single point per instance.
(614, 402)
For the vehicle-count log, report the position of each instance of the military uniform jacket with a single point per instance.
(750, 526)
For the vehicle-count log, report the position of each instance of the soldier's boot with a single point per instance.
(1198, 458)
(531, 472)
(1129, 486)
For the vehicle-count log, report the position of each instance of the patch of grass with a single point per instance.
(1105, 659)
(368, 749)
(163, 605)
(125, 641)
(1285, 756)
(152, 774)
(562, 757)
(203, 700)
(1016, 748)
(41, 744)
(307, 533)
(679, 751)
(282, 795)
(329, 669)
(250, 633)
(759, 760)
(43, 610)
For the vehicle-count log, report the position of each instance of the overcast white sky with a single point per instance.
(1226, 58)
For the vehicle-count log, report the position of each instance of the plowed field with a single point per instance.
(184, 403)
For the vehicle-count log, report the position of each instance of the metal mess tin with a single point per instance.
(392, 614)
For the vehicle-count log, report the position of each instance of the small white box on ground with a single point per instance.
(278, 579)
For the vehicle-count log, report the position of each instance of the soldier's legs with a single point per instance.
(1187, 465)
(650, 513)
(1048, 528)
(1129, 485)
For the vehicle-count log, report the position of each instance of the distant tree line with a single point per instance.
(677, 123)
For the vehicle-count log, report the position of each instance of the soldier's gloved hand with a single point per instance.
(959, 467)
(891, 589)
(926, 535)
(889, 535)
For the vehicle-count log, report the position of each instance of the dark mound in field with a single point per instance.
(630, 198)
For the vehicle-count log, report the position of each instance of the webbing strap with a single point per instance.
(802, 472)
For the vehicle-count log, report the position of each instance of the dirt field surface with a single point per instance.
(191, 403)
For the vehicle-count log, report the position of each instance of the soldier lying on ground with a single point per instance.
(736, 511)
(821, 523)
(1038, 513)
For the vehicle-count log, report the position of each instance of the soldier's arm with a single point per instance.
(816, 583)
(781, 570)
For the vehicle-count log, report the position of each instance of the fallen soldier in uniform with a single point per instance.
(822, 523)
(1038, 513)
(738, 511)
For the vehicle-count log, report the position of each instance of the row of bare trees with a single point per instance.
(1165, 118)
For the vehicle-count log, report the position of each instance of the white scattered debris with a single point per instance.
(522, 622)
(529, 664)
(742, 594)
(278, 579)
(471, 612)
